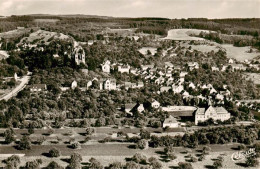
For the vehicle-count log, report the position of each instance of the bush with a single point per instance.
(94, 164)
(241, 147)
(139, 158)
(40, 140)
(35, 164)
(131, 165)
(115, 165)
(54, 152)
(184, 165)
(54, 165)
(217, 164)
(193, 159)
(25, 143)
(75, 161)
(12, 162)
(75, 145)
(142, 144)
(252, 161)
(9, 136)
(89, 131)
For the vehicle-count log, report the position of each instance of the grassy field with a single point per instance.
(143, 50)
(238, 53)
(46, 20)
(255, 77)
(45, 36)
(184, 34)
(112, 152)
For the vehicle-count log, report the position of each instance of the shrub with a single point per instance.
(95, 164)
(12, 162)
(76, 145)
(142, 144)
(25, 143)
(9, 136)
(184, 165)
(54, 152)
(54, 165)
(139, 158)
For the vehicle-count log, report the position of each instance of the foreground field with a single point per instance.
(114, 152)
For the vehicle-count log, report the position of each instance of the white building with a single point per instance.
(214, 68)
(106, 66)
(177, 88)
(140, 108)
(170, 122)
(192, 85)
(74, 84)
(155, 104)
(124, 68)
(145, 67)
(216, 113)
(108, 84)
(38, 87)
(193, 65)
(183, 74)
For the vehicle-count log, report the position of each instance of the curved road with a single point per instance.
(24, 81)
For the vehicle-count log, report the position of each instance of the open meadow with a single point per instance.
(184, 34)
(107, 153)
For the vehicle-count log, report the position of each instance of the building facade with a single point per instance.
(79, 55)
(216, 113)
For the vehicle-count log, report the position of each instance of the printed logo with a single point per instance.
(237, 156)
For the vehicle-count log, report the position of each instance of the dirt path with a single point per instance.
(24, 81)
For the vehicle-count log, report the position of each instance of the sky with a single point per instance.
(136, 8)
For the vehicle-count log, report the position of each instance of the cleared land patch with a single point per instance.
(184, 34)
(255, 77)
(144, 50)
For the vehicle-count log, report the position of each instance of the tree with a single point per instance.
(25, 143)
(184, 165)
(144, 134)
(139, 158)
(169, 152)
(217, 164)
(54, 165)
(89, 131)
(35, 164)
(75, 161)
(54, 152)
(115, 165)
(251, 161)
(131, 165)
(142, 144)
(95, 164)
(154, 163)
(30, 129)
(193, 159)
(12, 162)
(9, 136)
(75, 145)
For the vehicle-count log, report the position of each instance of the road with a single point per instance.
(24, 81)
(250, 101)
